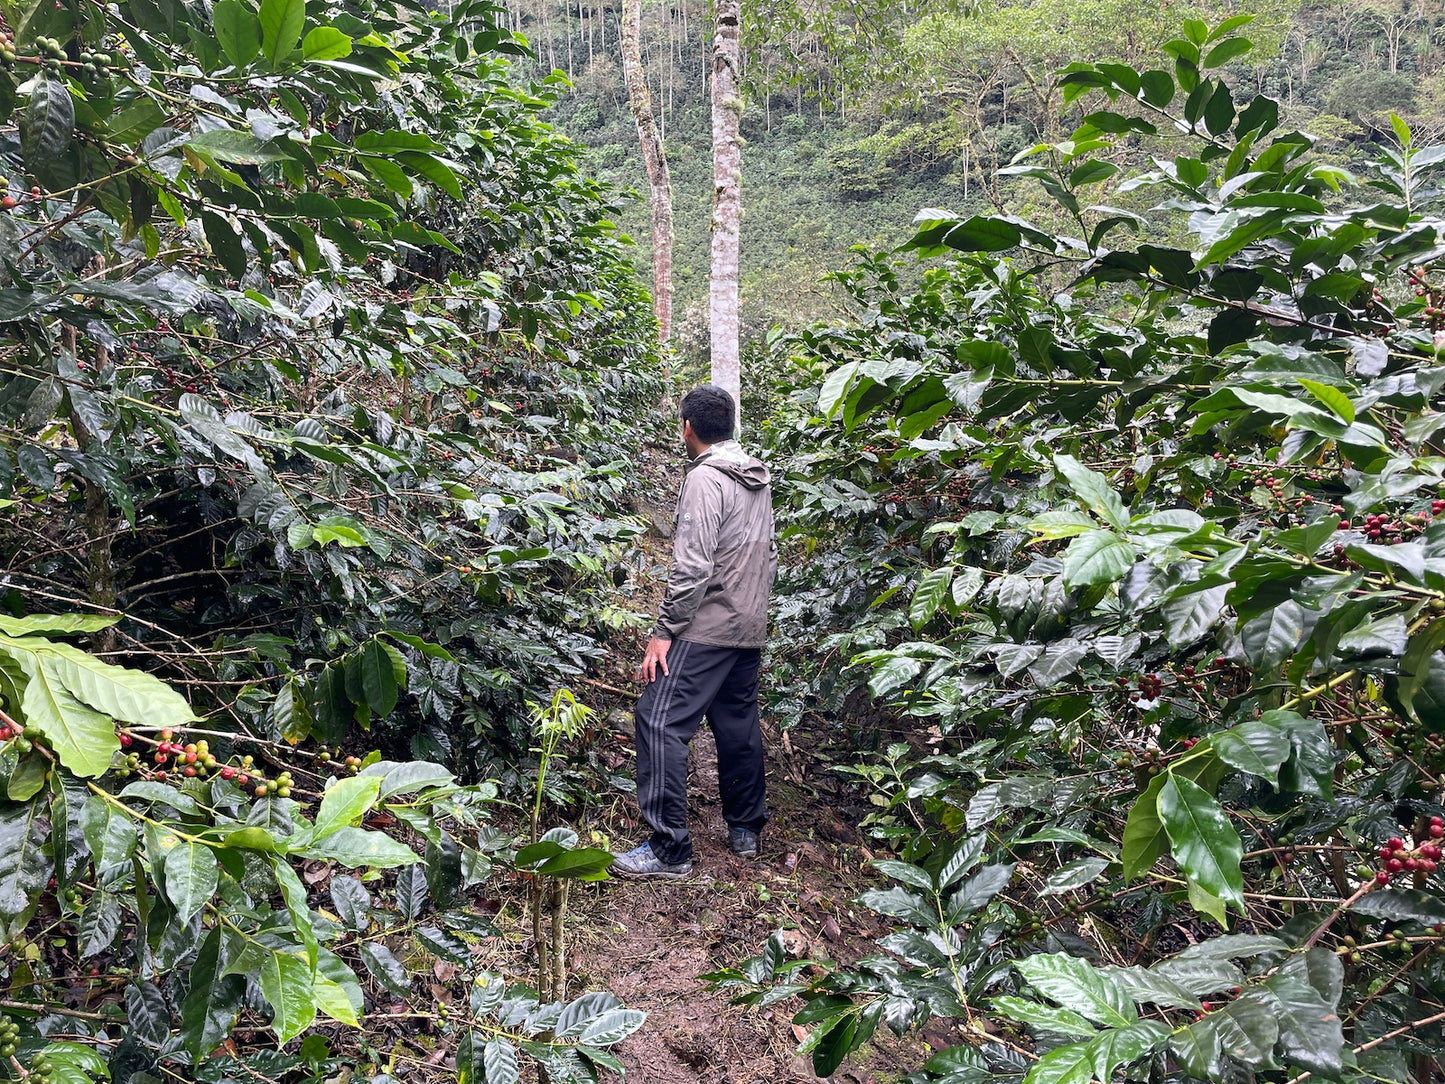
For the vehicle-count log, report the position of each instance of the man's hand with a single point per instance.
(655, 656)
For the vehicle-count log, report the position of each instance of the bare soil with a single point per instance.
(649, 941)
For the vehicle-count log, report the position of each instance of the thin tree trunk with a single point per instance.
(727, 166)
(654, 156)
(559, 941)
(567, 29)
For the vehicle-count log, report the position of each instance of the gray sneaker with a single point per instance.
(641, 862)
(743, 842)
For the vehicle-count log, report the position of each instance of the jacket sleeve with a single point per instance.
(699, 514)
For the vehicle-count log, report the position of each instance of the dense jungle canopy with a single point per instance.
(1096, 350)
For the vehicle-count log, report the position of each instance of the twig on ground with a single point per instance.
(629, 693)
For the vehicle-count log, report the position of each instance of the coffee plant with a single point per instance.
(159, 910)
(319, 365)
(1138, 526)
(317, 348)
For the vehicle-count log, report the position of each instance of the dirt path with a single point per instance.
(649, 941)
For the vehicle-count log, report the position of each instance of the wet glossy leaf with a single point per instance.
(1255, 747)
(1202, 840)
(191, 875)
(214, 999)
(345, 801)
(1077, 985)
(1044, 1017)
(386, 968)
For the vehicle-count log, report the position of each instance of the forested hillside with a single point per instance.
(859, 115)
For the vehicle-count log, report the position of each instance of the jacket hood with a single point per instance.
(728, 456)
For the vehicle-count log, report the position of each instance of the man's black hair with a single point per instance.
(711, 411)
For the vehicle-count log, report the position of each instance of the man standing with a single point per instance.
(706, 648)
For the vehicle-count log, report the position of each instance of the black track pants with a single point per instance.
(720, 683)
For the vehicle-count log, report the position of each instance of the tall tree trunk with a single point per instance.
(727, 167)
(567, 29)
(547, 33)
(655, 158)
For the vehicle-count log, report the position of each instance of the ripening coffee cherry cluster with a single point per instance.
(1150, 687)
(1382, 527)
(1433, 296)
(94, 65)
(346, 766)
(24, 738)
(189, 759)
(51, 54)
(1396, 858)
(9, 1034)
(193, 759)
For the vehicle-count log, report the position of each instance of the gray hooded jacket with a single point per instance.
(724, 555)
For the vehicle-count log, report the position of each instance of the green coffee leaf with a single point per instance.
(1094, 490)
(48, 121)
(387, 969)
(325, 43)
(354, 847)
(977, 890)
(214, 1000)
(1074, 875)
(334, 1000)
(378, 679)
(1077, 985)
(909, 874)
(499, 1059)
(1255, 746)
(1044, 1017)
(238, 30)
(345, 801)
(1202, 840)
(281, 25)
(1124, 1046)
(1144, 836)
(612, 1027)
(1309, 1028)
(1069, 1064)
(931, 593)
(286, 984)
(191, 875)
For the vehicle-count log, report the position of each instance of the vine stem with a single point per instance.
(1367, 887)
(24, 1006)
(1385, 1038)
(1319, 690)
(214, 844)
